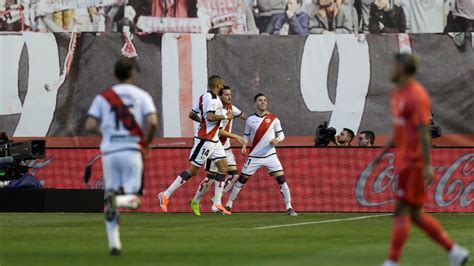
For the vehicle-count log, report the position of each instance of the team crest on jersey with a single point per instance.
(268, 120)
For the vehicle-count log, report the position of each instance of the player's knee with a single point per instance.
(233, 172)
(280, 179)
(186, 175)
(243, 179)
(220, 177)
(211, 176)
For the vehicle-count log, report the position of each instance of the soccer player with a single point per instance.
(411, 107)
(206, 145)
(126, 117)
(265, 132)
(211, 168)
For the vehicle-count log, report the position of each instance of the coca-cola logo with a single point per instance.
(376, 189)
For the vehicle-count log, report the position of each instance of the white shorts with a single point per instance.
(252, 164)
(211, 166)
(203, 150)
(123, 169)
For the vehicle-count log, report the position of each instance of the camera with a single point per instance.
(435, 130)
(13, 155)
(324, 135)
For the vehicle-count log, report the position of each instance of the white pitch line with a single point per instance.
(322, 222)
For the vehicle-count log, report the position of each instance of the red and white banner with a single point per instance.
(320, 179)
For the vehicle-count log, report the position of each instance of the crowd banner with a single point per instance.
(320, 179)
(342, 79)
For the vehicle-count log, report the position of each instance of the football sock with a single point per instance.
(127, 201)
(285, 191)
(401, 229)
(235, 191)
(112, 223)
(434, 230)
(203, 188)
(231, 178)
(219, 187)
(177, 183)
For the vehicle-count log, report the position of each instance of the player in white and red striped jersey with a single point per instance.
(263, 130)
(206, 145)
(211, 167)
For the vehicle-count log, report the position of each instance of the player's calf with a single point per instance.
(235, 190)
(112, 224)
(285, 192)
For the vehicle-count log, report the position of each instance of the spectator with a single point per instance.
(425, 16)
(328, 17)
(461, 17)
(268, 10)
(231, 17)
(366, 138)
(295, 20)
(345, 138)
(363, 11)
(64, 19)
(385, 19)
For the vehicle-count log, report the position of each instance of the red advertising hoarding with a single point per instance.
(320, 179)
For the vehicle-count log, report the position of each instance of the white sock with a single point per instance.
(203, 188)
(178, 182)
(230, 180)
(285, 191)
(233, 195)
(127, 201)
(219, 187)
(113, 234)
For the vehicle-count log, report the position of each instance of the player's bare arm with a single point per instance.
(151, 126)
(211, 116)
(425, 138)
(92, 124)
(243, 117)
(195, 117)
(226, 134)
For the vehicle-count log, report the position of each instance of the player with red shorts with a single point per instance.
(411, 113)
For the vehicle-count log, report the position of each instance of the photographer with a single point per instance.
(345, 138)
(366, 138)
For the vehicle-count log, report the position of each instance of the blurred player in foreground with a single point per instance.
(211, 168)
(265, 132)
(206, 145)
(411, 109)
(126, 117)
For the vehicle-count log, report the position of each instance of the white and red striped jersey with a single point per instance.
(227, 124)
(208, 102)
(259, 131)
(115, 136)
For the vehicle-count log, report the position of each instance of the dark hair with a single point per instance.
(409, 61)
(351, 133)
(123, 69)
(258, 95)
(370, 135)
(222, 91)
(213, 80)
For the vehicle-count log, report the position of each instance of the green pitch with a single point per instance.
(182, 239)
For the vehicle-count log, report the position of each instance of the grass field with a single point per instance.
(182, 239)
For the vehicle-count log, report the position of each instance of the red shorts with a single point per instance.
(411, 187)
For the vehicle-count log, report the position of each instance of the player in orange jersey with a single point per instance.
(411, 112)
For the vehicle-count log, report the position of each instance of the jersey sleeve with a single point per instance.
(279, 130)
(209, 105)
(420, 110)
(195, 108)
(95, 110)
(236, 111)
(247, 131)
(148, 106)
